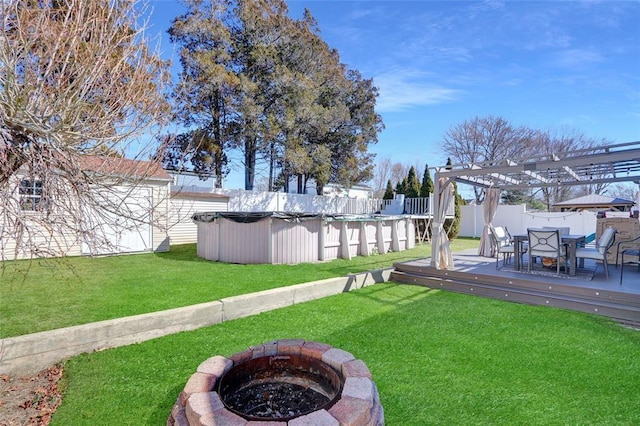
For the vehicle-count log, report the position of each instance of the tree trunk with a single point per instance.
(217, 129)
(250, 163)
(10, 166)
(300, 188)
(272, 166)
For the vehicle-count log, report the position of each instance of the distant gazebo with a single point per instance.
(595, 202)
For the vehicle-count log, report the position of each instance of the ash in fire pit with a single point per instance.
(275, 400)
(279, 387)
(291, 381)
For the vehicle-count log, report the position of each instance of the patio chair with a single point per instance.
(627, 244)
(599, 252)
(546, 243)
(630, 248)
(504, 244)
(564, 230)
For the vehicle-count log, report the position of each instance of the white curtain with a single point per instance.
(489, 207)
(443, 258)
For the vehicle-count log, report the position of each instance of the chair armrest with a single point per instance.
(624, 242)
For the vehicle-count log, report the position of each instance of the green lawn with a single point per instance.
(436, 357)
(48, 294)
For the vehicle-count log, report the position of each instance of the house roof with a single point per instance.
(595, 200)
(125, 167)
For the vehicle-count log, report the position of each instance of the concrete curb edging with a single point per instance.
(31, 353)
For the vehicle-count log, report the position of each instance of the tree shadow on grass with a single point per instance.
(435, 356)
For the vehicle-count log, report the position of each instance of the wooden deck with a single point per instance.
(588, 292)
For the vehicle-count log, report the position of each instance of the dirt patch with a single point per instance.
(30, 400)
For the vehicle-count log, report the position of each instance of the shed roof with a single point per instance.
(123, 167)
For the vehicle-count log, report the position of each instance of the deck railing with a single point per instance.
(241, 200)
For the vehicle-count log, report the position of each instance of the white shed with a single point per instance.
(144, 190)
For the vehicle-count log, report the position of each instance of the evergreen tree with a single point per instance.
(454, 229)
(256, 81)
(205, 99)
(401, 187)
(453, 225)
(514, 197)
(388, 193)
(412, 189)
(427, 183)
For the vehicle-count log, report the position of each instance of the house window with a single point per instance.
(30, 194)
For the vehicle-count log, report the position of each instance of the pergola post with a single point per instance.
(440, 250)
(435, 235)
(587, 166)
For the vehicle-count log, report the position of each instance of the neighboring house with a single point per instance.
(191, 182)
(594, 202)
(144, 189)
(331, 189)
(191, 194)
(355, 191)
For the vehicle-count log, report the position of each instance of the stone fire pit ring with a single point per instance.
(358, 402)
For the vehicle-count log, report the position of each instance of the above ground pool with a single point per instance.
(290, 238)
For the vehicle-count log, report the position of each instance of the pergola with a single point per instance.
(604, 164)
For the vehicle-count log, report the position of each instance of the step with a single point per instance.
(615, 309)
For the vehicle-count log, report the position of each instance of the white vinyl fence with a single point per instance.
(255, 201)
(517, 219)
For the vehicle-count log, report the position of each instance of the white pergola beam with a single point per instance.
(571, 173)
(505, 178)
(536, 176)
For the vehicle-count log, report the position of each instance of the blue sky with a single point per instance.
(554, 65)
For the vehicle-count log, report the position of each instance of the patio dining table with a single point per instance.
(572, 241)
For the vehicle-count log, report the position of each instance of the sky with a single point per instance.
(548, 65)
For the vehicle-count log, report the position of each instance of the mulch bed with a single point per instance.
(30, 400)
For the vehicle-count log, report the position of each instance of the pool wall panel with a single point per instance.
(332, 249)
(370, 231)
(295, 242)
(208, 240)
(279, 241)
(245, 242)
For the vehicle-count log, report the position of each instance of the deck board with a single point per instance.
(473, 274)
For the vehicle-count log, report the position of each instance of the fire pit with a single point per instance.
(291, 381)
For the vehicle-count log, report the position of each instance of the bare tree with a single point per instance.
(399, 171)
(561, 141)
(80, 89)
(487, 139)
(624, 190)
(381, 175)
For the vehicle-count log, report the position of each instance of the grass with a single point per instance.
(48, 294)
(436, 358)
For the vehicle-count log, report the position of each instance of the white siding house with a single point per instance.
(191, 193)
(183, 205)
(355, 191)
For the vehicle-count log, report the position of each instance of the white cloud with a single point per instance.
(578, 57)
(403, 90)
